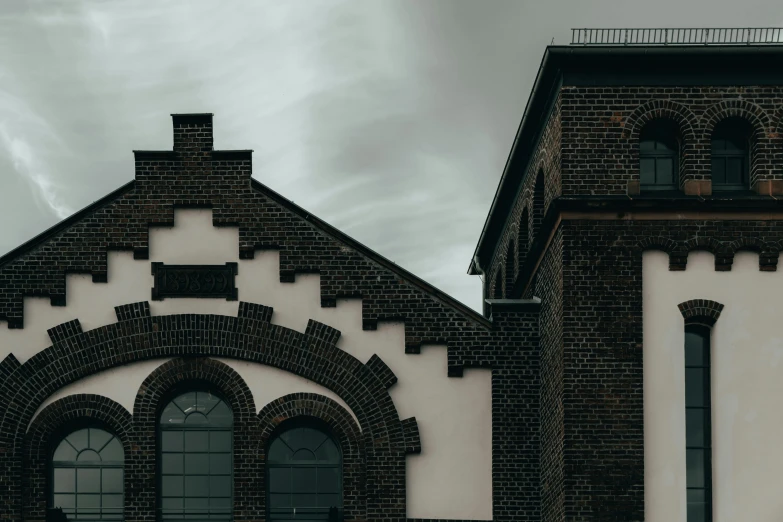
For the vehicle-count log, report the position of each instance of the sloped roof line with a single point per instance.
(322, 225)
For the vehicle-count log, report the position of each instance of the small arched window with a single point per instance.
(195, 458)
(731, 154)
(304, 474)
(659, 151)
(87, 475)
(698, 423)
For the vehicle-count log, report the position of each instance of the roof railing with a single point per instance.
(679, 36)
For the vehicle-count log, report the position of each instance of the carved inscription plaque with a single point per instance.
(194, 281)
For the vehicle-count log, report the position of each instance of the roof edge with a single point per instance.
(371, 254)
(52, 231)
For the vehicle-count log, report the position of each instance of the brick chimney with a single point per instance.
(192, 134)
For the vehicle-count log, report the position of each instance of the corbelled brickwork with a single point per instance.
(195, 175)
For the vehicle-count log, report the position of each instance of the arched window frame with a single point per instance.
(275, 513)
(162, 449)
(109, 494)
(725, 158)
(660, 145)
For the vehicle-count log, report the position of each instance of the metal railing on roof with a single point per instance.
(678, 36)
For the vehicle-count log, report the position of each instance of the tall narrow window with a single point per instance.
(731, 154)
(87, 475)
(196, 458)
(698, 424)
(658, 154)
(304, 475)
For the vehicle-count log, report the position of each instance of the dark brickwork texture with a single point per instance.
(589, 276)
(195, 175)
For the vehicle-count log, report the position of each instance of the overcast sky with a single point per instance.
(391, 120)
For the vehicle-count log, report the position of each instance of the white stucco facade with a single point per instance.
(451, 478)
(747, 364)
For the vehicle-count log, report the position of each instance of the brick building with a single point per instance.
(194, 346)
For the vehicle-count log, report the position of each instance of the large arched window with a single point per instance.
(87, 475)
(659, 151)
(731, 154)
(304, 474)
(195, 458)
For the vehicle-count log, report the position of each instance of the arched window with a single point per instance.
(659, 151)
(304, 474)
(195, 458)
(731, 154)
(87, 475)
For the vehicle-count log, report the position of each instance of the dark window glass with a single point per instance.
(658, 154)
(304, 474)
(698, 436)
(196, 430)
(731, 154)
(87, 475)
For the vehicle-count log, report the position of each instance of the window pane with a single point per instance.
(304, 455)
(280, 480)
(718, 171)
(112, 501)
(221, 415)
(196, 418)
(646, 145)
(98, 438)
(111, 480)
(304, 480)
(304, 501)
(186, 402)
(647, 171)
(734, 170)
(220, 464)
(64, 452)
(170, 504)
(279, 451)
(78, 439)
(88, 480)
(328, 500)
(328, 480)
(172, 415)
(88, 455)
(64, 480)
(88, 501)
(278, 501)
(113, 451)
(694, 387)
(196, 441)
(65, 501)
(697, 512)
(665, 171)
(220, 441)
(172, 463)
(196, 505)
(172, 486)
(197, 464)
(220, 486)
(694, 460)
(196, 486)
(694, 350)
(172, 441)
(694, 427)
(328, 452)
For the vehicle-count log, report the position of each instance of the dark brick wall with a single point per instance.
(526, 216)
(549, 288)
(601, 125)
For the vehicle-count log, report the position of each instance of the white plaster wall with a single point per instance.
(452, 478)
(121, 384)
(747, 365)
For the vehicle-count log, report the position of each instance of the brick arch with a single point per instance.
(153, 395)
(685, 119)
(51, 424)
(511, 264)
(248, 337)
(752, 113)
(523, 237)
(700, 311)
(298, 405)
